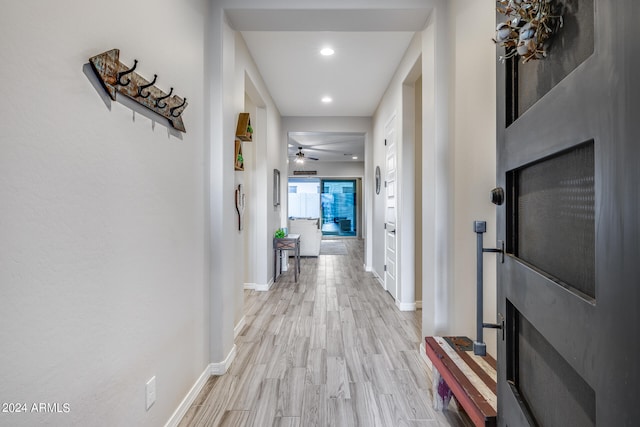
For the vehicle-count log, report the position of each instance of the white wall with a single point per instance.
(417, 91)
(330, 169)
(101, 261)
(394, 105)
(265, 154)
(232, 76)
(458, 162)
(248, 235)
(474, 136)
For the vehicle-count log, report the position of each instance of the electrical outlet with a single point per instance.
(151, 392)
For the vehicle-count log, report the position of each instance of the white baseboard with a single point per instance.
(264, 287)
(239, 327)
(221, 368)
(406, 306)
(188, 400)
(368, 268)
(423, 355)
(258, 287)
(378, 278)
(211, 369)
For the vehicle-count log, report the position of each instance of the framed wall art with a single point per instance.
(276, 187)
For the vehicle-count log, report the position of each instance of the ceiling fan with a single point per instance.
(300, 157)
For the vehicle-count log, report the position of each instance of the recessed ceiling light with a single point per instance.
(327, 51)
(355, 157)
(327, 99)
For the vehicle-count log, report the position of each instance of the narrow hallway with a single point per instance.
(332, 350)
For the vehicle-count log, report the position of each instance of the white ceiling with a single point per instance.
(327, 146)
(298, 76)
(368, 45)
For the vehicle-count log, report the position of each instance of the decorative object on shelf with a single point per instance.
(276, 187)
(240, 204)
(239, 158)
(378, 179)
(244, 131)
(279, 234)
(117, 77)
(529, 28)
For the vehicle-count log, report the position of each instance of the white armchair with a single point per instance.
(310, 234)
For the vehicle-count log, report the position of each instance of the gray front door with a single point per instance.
(569, 161)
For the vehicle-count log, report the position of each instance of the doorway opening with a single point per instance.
(338, 204)
(334, 201)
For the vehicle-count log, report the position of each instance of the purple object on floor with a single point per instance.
(443, 390)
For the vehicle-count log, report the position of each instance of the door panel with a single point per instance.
(391, 214)
(569, 160)
(543, 377)
(556, 195)
(576, 40)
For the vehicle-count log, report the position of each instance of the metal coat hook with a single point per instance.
(124, 73)
(175, 108)
(143, 87)
(163, 104)
(117, 77)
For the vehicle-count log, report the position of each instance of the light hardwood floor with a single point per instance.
(330, 350)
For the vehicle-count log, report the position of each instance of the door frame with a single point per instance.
(355, 212)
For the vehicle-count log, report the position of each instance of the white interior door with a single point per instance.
(391, 214)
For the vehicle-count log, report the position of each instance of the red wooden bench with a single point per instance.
(470, 378)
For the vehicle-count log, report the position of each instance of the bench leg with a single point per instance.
(441, 392)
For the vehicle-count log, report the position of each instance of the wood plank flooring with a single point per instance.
(330, 350)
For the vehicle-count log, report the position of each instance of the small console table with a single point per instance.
(291, 242)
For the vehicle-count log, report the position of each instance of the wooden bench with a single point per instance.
(470, 378)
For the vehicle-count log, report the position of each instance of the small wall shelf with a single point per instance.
(239, 159)
(244, 131)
